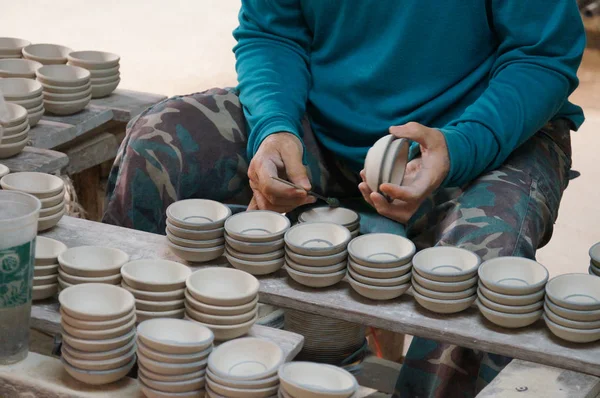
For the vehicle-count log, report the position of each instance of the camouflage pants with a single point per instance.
(195, 146)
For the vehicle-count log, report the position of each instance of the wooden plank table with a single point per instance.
(39, 160)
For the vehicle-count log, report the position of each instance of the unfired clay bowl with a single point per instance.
(68, 97)
(337, 215)
(219, 309)
(446, 263)
(257, 226)
(101, 334)
(96, 302)
(44, 291)
(509, 309)
(572, 335)
(17, 89)
(11, 132)
(76, 280)
(98, 377)
(379, 281)
(198, 214)
(158, 306)
(575, 291)
(508, 299)
(96, 325)
(445, 287)
(513, 275)
(105, 80)
(3, 170)
(53, 200)
(17, 115)
(308, 379)
(228, 332)
(47, 54)
(103, 90)
(92, 261)
(152, 393)
(195, 244)
(98, 356)
(569, 323)
(93, 60)
(174, 336)
(47, 251)
(19, 68)
(317, 261)
(12, 46)
(384, 273)
(40, 185)
(378, 292)
(10, 150)
(188, 234)
(148, 315)
(45, 280)
(374, 161)
(316, 270)
(510, 321)
(274, 255)
(64, 108)
(154, 296)
(50, 211)
(63, 75)
(45, 223)
(381, 250)
(41, 270)
(104, 72)
(221, 319)
(444, 306)
(98, 345)
(222, 286)
(31, 104)
(155, 275)
(244, 384)
(173, 358)
(574, 315)
(254, 247)
(317, 239)
(174, 387)
(197, 255)
(394, 163)
(228, 391)
(595, 254)
(95, 365)
(255, 267)
(246, 359)
(441, 295)
(316, 280)
(49, 88)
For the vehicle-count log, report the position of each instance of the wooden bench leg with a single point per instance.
(87, 185)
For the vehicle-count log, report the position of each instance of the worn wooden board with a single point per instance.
(36, 159)
(126, 104)
(403, 315)
(522, 379)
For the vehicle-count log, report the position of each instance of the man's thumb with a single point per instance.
(295, 170)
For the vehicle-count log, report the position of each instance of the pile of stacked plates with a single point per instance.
(66, 88)
(511, 291)
(314, 380)
(19, 68)
(254, 241)
(224, 300)
(445, 279)
(572, 307)
(14, 131)
(316, 253)
(172, 357)
(104, 68)
(380, 265)
(90, 264)
(47, 54)
(28, 94)
(11, 47)
(244, 367)
(45, 269)
(158, 287)
(49, 189)
(595, 260)
(195, 229)
(98, 332)
(338, 215)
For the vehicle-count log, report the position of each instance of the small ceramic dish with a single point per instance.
(174, 336)
(228, 391)
(257, 226)
(40, 185)
(378, 292)
(316, 270)
(92, 261)
(384, 273)
(222, 286)
(263, 382)
(575, 291)
(96, 302)
(76, 280)
(93, 60)
(173, 358)
(19, 88)
(103, 90)
(228, 332)
(195, 244)
(15, 138)
(308, 379)
(594, 271)
(105, 80)
(53, 200)
(63, 108)
(174, 387)
(44, 291)
(197, 255)
(441, 295)
(572, 335)
(155, 275)
(569, 323)
(254, 247)
(49, 88)
(444, 306)
(379, 281)
(317, 261)
(50, 211)
(24, 68)
(95, 365)
(188, 234)
(63, 75)
(47, 251)
(96, 325)
(68, 97)
(63, 285)
(394, 162)
(98, 345)
(98, 377)
(149, 315)
(47, 54)
(337, 215)
(152, 393)
(316, 280)
(595, 254)
(446, 263)
(445, 287)
(98, 356)
(381, 250)
(45, 280)
(509, 309)
(274, 255)
(158, 306)
(10, 132)
(171, 378)
(16, 116)
(31, 103)
(198, 214)
(255, 267)
(10, 150)
(45, 223)
(221, 319)
(43, 270)
(374, 161)
(574, 315)
(508, 299)
(171, 295)
(104, 72)
(317, 239)
(513, 275)
(219, 309)
(12, 46)
(510, 321)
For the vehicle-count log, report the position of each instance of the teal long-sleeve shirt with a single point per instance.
(487, 73)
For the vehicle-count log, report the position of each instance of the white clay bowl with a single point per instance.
(380, 272)
(42, 270)
(171, 378)
(45, 223)
(274, 255)
(595, 254)
(510, 321)
(446, 287)
(308, 379)
(317, 261)
(219, 309)
(10, 132)
(381, 250)
(174, 387)
(188, 234)
(198, 214)
(166, 368)
(394, 163)
(574, 315)
(49, 88)
(17, 115)
(44, 291)
(246, 359)
(171, 295)
(98, 377)
(47, 54)
(24, 68)
(9, 150)
(228, 332)
(66, 107)
(378, 292)
(95, 365)
(53, 200)
(263, 382)
(255, 267)
(105, 80)
(96, 325)
(337, 215)
(379, 281)
(18, 89)
(513, 275)
(221, 319)
(45, 280)
(441, 295)
(98, 346)
(104, 72)
(195, 244)
(47, 251)
(222, 286)
(257, 226)
(158, 306)
(92, 261)
(374, 161)
(316, 270)
(93, 60)
(228, 391)
(149, 315)
(572, 335)
(12, 46)
(317, 239)
(575, 291)
(96, 302)
(31, 104)
(316, 280)
(103, 90)
(446, 263)
(444, 306)
(152, 393)
(508, 299)
(155, 275)
(40, 185)
(63, 75)
(254, 247)
(569, 323)
(197, 255)
(68, 97)
(509, 309)
(76, 280)
(174, 336)
(50, 211)
(98, 356)
(173, 358)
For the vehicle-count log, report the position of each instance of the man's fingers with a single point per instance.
(295, 170)
(275, 191)
(413, 131)
(252, 205)
(393, 211)
(366, 192)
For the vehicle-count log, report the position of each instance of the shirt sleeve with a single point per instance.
(540, 48)
(272, 66)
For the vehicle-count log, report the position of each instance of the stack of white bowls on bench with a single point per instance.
(98, 331)
(47, 54)
(15, 129)
(245, 367)
(224, 300)
(158, 287)
(315, 380)
(49, 189)
(11, 47)
(104, 69)
(380, 265)
(316, 253)
(172, 357)
(195, 229)
(90, 264)
(445, 279)
(595, 260)
(511, 291)
(28, 94)
(24, 68)
(254, 241)
(572, 307)
(45, 269)
(338, 215)
(66, 88)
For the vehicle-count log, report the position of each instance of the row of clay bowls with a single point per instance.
(14, 131)
(45, 268)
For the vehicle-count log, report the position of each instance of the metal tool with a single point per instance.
(332, 202)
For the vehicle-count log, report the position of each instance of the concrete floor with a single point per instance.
(183, 46)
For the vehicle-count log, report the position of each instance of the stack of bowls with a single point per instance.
(47, 54)
(338, 215)
(158, 287)
(244, 367)
(224, 300)
(511, 291)
(572, 307)
(386, 162)
(314, 380)
(90, 264)
(172, 357)
(14, 131)
(28, 94)
(104, 69)
(98, 332)
(595, 260)
(45, 269)
(316, 253)
(445, 279)
(19, 68)
(66, 88)
(261, 230)
(11, 47)
(195, 229)
(49, 189)
(380, 265)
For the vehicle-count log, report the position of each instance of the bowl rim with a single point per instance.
(341, 265)
(538, 304)
(592, 252)
(195, 249)
(27, 51)
(349, 390)
(472, 269)
(17, 39)
(193, 300)
(377, 162)
(416, 285)
(317, 209)
(485, 289)
(403, 267)
(352, 273)
(29, 95)
(100, 372)
(74, 56)
(471, 281)
(227, 327)
(564, 303)
(310, 275)
(68, 103)
(247, 383)
(258, 238)
(40, 73)
(571, 330)
(335, 248)
(252, 263)
(246, 243)
(351, 280)
(166, 342)
(402, 148)
(562, 318)
(68, 265)
(151, 293)
(507, 315)
(358, 239)
(204, 226)
(128, 266)
(254, 284)
(445, 301)
(129, 301)
(5, 181)
(516, 290)
(55, 244)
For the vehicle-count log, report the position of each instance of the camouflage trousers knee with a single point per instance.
(195, 146)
